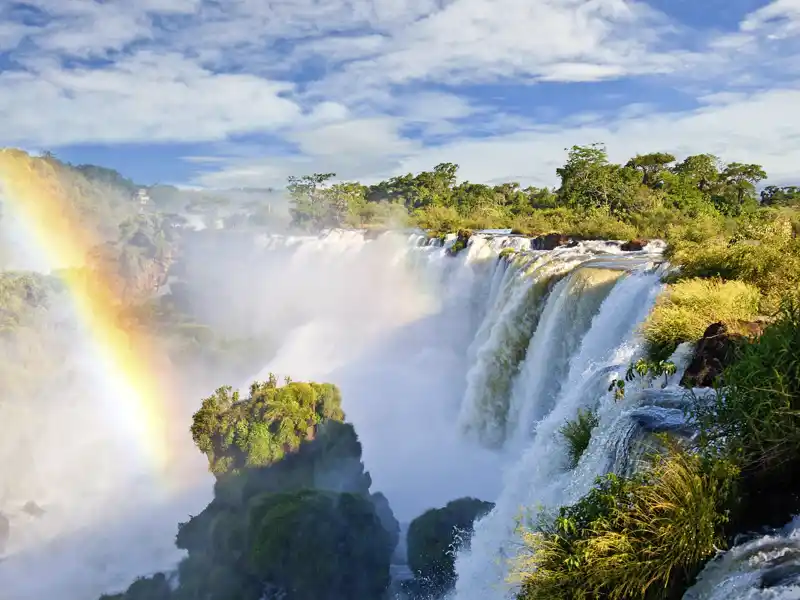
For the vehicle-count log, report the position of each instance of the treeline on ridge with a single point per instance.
(595, 199)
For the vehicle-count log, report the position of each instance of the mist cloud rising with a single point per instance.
(390, 332)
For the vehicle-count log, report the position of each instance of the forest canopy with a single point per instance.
(640, 197)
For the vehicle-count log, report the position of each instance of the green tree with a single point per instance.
(773, 195)
(651, 166)
(309, 203)
(701, 170)
(236, 433)
(742, 179)
(588, 180)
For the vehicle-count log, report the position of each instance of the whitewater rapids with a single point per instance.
(457, 372)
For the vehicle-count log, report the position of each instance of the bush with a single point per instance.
(643, 537)
(688, 307)
(762, 251)
(260, 430)
(757, 416)
(319, 545)
(578, 434)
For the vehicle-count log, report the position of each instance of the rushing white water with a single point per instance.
(457, 372)
(764, 568)
(541, 477)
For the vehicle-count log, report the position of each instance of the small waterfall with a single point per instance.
(764, 568)
(541, 478)
(506, 333)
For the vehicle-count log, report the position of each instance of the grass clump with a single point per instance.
(643, 537)
(688, 307)
(578, 434)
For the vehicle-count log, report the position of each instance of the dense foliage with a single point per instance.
(595, 198)
(433, 540)
(293, 513)
(303, 524)
(260, 430)
(642, 537)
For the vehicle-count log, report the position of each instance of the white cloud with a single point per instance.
(147, 97)
(761, 128)
(785, 14)
(342, 80)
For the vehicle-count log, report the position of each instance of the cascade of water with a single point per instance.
(417, 340)
(767, 567)
(506, 334)
(541, 476)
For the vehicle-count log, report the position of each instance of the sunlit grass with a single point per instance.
(687, 308)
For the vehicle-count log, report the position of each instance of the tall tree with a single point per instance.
(308, 203)
(743, 179)
(702, 170)
(773, 195)
(651, 166)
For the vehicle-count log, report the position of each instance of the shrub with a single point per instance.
(757, 415)
(578, 433)
(462, 241)
(234, 432)
(688, 307)
(638, 538)
(762, 251)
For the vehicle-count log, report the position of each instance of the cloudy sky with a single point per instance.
(230, 93)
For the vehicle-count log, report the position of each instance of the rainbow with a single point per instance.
(124, 354)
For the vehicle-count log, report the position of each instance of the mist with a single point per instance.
(390, 326)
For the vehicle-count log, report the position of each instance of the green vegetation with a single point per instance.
(101, 198)
(761, 249)
(652, 195)
(433, 540)
(21, 296)
(643, 537)
(293, 513)
(578, 434)
(260, 430)
(756, 420)
(648, 535)
(687, 307)
(303, 524)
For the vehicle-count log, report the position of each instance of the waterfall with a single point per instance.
(541, 477)
(764, 568)
(457, 372)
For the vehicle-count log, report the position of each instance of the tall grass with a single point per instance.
(687, 308)
(578, 434)
(628, 539)
(663, 532)
(762, 251)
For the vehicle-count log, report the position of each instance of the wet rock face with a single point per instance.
(715, 351)
(633, 245)
(550, 241)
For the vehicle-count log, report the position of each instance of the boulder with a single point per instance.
(715, 351)
(633, 245)
(549, 241)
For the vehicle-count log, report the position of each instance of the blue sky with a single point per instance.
(247, 92)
